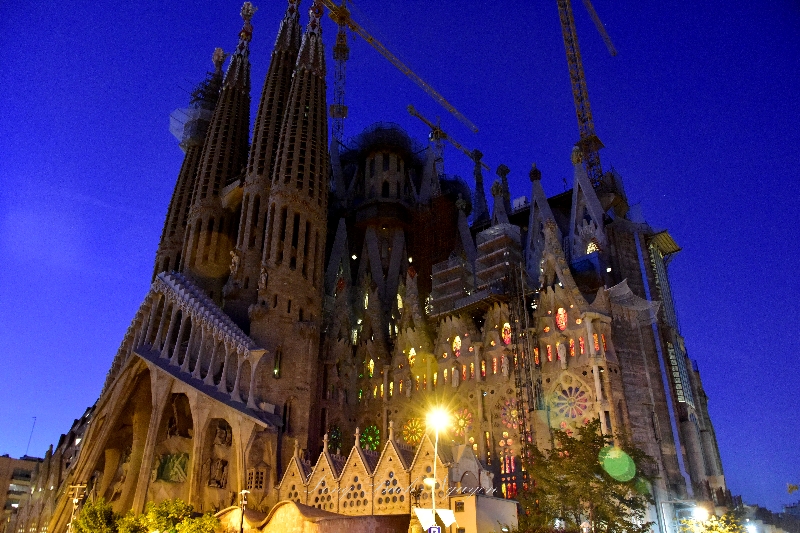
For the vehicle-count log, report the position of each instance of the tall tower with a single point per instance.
(212, 224)
(286, 319)
(241, 290)
(191, 131)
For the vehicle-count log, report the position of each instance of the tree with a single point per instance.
(586, 478)
(96, 517)
(168, 516)
(730, 522)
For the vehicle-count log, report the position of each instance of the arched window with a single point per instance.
(385, 190)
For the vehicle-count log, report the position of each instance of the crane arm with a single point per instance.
(600, 28)
(338, 13)
(439, 133)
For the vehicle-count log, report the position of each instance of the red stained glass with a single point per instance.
(506, 333)
(464, 373)
(549, 352)
(572, 347)
(583, 345)
(561, 319)
(596, 343)
(472, 371)
(536, 355)
(604, 342)
(494, 365)
(483, 369)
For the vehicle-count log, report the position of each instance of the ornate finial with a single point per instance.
(535, 174)
(297, 448)
(314, 16)
(476, 155)
(248, 10)
(358, 438)
(497, 188)
(502, 171)
(577, 156)
(218, 58)
(391, 429)
(461, 204)
(325, 442)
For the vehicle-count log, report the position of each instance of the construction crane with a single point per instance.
(438, 135)
(341, 53)
(588, 142)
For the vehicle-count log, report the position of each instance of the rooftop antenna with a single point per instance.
(31, 436)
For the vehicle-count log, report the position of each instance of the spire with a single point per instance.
(499, 216)
(480, 209)
(503, 171)
(241, 292)
(189, 125)
(540, 215)
(207, 245)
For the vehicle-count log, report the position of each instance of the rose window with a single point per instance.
(571, 402)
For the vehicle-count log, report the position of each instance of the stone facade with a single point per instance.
(307, 299)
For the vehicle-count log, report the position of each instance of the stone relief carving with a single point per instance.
(223, 435)
(218, 473)
(173, 467)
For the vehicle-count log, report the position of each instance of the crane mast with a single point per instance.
(437, 135)
(341, 52)
(588, 142)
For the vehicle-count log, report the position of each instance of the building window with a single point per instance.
(459, 507)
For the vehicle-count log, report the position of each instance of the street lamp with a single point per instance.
(437, 419)
(700, 514)
(243, 504)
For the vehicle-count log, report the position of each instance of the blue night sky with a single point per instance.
(698, 113)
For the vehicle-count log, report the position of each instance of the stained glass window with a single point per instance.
(494, 365)
(413, 431)
(603, 337)
(435, 378)
(375, 392)
(366, 300)
(483, 369)
(561, 319)
(509, 414)
(381, 390)
(371, 366)
(399, 302)
(536, 355)
(464, 373)
(424, 382)
(549, 352)
(592, 247)
(472, 371)
(572, 347)
(371, 438)
(457, 346)
(412, 356)
(417, 383)
(400, 386)
(462, 422)
(596, 342)
(571, 402)
(391, 388)
(583, 345)
(444, 375)
(506, 333)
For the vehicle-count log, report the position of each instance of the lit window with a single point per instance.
(444, 375)
(536, 355)
(472, 371)
(381, 390)
(366, 301)
(583, 345)
(592, 247)
(464, 373)
(572, 347)
(483, 369)
(603, 337)
(549, 353)
(561, 319)
(457, 346)
(596, 343)
(391, 388)
(506, 333)
(417, 385)
(400, 386)
(399, 302)
(494, 365)
(375, 392)
(412, 356)
(435, 378)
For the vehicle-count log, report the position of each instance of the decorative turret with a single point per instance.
(241, 290)
(190, 126)
(479, 208)
(211, 227)
(289, 309)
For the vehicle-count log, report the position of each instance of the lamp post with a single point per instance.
(437, 419)
(243, 504)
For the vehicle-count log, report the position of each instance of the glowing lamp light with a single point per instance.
(700, 514)
(438, 419)
(751, 528)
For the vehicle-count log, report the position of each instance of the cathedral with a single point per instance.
(315, 299)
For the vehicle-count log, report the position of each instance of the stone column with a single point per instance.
(189, 345)
(200, 407)
(222, 385)
(160, 385)
(173, 360)
(209, 379)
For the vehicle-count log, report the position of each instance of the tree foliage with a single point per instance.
(569, 485)
(730, 522)
(168, 516)
(96, 517)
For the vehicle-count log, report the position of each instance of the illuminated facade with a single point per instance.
(300, 292)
